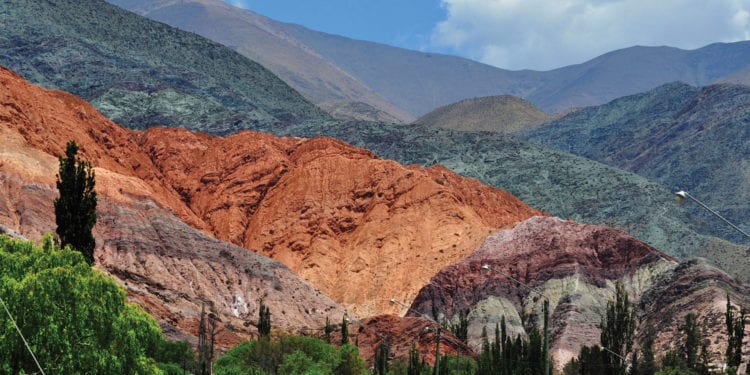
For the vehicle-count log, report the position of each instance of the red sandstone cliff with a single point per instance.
(360, 228)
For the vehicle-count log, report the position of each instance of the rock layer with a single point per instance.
(574, 265)
(166, 266)
(360, 228)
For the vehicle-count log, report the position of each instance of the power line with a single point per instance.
(21, 334)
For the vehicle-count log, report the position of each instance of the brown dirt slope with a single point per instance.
(499, 114)
(360, 228)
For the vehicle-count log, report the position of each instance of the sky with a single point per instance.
(520, 34)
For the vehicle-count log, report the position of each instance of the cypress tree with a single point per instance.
(75, 208)
(692, 340)
(344, 330)
(328, 330)
(647, 365)
(381, 357)
(617, 330)
(415, 365)
(264, 321)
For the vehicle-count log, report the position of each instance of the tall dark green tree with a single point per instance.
(692, 340)
(415, 364)
(264, 321)
(735, 336)
(75, 208)
(461, 329)
(327, 330)
(617, 331)
(647, 365)
(381, 357)
(344, 330)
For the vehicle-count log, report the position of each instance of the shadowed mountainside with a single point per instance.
(142, 73)
(360, 228)
(500, 114)
(680, 136)
(576, 267)
(261, 40)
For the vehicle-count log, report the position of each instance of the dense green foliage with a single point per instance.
(75, 208)
(505, 355)
(75, 318)
(290, 355)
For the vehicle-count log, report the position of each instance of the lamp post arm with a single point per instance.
(685, 194)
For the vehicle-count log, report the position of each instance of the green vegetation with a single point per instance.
(617, 331)
(735, 335)
(75, 208)
(75, 319)
(264, 320)
(290, 355)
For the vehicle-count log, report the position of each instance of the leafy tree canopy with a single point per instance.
(75, 318)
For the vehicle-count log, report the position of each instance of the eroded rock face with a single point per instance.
(401, 333)
(574, 265)
(166, 266)
(698, 287)
(361, 229)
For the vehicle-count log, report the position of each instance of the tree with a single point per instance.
(206, 338)
(617, 330)
(381, 357)
(75, 208)
(461, 329)
(76, 319)
(692, 341)
(328, 330)
(344, 330)
(735, 336)
(264, 320)
(647, 365)
(415, 365)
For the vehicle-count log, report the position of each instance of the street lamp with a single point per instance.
(684, 194)
(437, 340)
(487, 268)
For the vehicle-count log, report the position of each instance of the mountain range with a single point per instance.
(683, 137)
(173, 270)
(188, 218)
(142, 73)
(418, 82)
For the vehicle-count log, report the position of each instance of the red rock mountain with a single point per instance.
(576, 267)
(360, 228)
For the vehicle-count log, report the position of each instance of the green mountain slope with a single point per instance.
(140, 72)
(260, 39)
(557, 182)
(680, 136)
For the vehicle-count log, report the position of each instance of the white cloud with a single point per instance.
(545, 34)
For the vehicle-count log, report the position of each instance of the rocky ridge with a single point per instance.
(167, 267)
(362, 229)
(576, 266)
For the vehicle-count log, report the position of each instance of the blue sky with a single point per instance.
(402, 23)
(520, 34)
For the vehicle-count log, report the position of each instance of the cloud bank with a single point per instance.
(546, 34)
